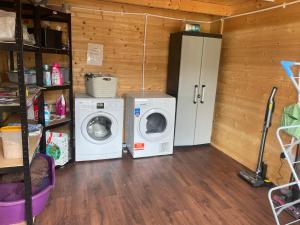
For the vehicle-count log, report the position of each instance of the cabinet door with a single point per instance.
(190, 64)
(207, 90)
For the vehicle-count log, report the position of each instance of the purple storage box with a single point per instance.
(14, 212)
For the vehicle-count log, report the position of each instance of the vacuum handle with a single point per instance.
(260, 169)
(270, 108)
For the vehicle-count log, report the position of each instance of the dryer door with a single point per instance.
(99, 128)
(154, 125)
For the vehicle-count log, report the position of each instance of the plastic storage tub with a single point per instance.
(30, 78)
(7, 24)
(11, 142)
(14, 212)
(101, 85)
(66, 74)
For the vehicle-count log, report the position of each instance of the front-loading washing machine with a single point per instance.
(149, 124)
(98, 128)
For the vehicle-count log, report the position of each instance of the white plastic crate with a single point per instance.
(101, 85)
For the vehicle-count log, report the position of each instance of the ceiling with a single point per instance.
(212, 7)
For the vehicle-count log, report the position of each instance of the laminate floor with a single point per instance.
(195, 186)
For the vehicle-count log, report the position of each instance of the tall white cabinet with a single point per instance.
(192, 79)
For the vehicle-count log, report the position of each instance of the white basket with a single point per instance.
(7, 24)
(101, 85)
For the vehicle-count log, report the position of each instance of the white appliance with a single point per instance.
(98, 128)
(149, 124)
(192, 78)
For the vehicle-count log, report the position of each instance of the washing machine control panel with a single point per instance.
(100, 105)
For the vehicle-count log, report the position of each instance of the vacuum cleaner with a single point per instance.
(258, 178)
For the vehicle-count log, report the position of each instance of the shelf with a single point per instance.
(30, 48)
(9, 108)
(58, 87)
(9, 4)
(48, 14)
(12, 46)
(55, 51)
(9, 46)
(12, 165)
(58, 123)
(16, 107)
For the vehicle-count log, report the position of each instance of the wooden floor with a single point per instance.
(195, 186)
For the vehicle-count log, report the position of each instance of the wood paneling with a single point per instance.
(250, 65)
(122, 37)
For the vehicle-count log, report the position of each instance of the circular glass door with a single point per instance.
(154, 125)
(99, 128)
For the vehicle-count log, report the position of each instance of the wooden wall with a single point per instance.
(252, 49)
(122, 37)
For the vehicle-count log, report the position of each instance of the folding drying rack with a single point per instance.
(288, 150)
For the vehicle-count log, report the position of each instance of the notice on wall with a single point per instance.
(95, 54)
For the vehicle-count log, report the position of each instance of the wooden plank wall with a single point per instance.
(122, 37)
(252, 49)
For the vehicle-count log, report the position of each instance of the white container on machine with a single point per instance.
(101, 85)
(12, 142)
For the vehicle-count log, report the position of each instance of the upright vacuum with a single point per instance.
(257, 178)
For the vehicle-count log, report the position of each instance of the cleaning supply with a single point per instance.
(36, 109)
(47, 114)
(47, 75)
(60, 106)
(56, 76)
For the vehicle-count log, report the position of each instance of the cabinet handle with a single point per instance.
(202, 94)
(195, 94)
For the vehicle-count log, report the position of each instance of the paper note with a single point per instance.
(95, 54)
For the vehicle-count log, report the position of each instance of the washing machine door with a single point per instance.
(154, 125)
(99, 128)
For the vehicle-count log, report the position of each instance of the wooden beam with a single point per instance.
(182, 5)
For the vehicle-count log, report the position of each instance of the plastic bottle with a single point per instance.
(47, 114)
(57, 78)
(47, 75)
(60, 106)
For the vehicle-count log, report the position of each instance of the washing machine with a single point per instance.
(98, 127)
(149, 124)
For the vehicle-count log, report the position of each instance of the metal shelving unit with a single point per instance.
(37, 14)
(19, 48)
(45, 14)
